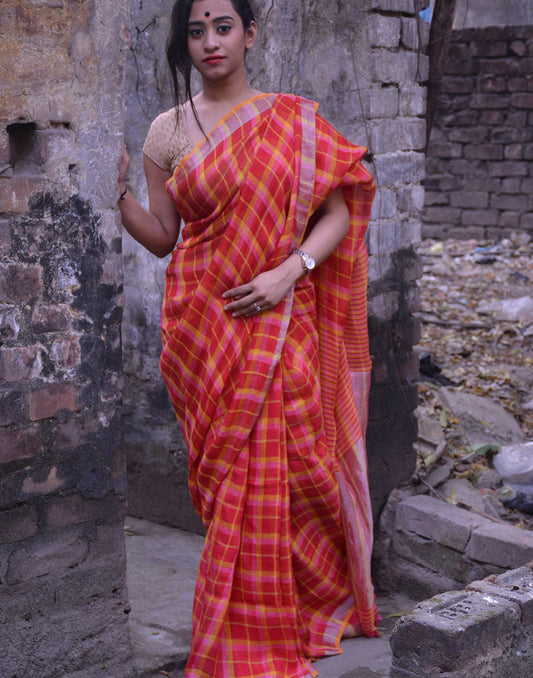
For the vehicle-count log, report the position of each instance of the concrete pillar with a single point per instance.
(62, 469)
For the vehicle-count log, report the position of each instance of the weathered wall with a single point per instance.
(480, 159)
(362, 61)
(62, 467)
(481, 13)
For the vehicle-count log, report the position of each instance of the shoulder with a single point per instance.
(296, 101)
(167, 140)
(165, 121)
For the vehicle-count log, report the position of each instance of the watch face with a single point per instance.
(310, 263)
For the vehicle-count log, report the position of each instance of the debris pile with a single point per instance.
(476, 364)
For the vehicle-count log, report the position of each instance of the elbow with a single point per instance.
(162, 252)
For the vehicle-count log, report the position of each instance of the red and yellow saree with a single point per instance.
(272, 407)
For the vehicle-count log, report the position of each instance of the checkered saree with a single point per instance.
(273, 406)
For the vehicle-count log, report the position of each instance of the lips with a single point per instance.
(214, 59)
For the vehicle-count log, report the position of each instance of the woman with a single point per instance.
(264, 352)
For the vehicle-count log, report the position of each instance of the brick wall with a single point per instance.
(364, 64)
(480, 159)
(62, 468)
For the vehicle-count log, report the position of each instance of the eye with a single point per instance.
(195, 32)
(224, 28)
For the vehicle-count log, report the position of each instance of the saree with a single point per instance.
(272, 407)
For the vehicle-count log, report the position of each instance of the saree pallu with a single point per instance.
(273, 406)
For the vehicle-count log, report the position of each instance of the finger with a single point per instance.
(237, 292)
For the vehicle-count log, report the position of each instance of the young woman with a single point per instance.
(265, 351)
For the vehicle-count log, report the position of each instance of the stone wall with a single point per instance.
(364, 64)
(62, 466)
(480, 13)
(480, 158)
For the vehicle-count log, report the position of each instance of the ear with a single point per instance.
(251, 35)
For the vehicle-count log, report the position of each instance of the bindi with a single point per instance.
(207, 14)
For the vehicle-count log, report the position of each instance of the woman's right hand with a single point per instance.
(123, 169)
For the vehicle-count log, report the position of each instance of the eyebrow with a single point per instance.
(218, 18)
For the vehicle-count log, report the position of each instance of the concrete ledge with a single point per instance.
(427, 546)
(486, 630)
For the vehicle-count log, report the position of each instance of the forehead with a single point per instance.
(215, 8)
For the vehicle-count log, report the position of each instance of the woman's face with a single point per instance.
(216, 38)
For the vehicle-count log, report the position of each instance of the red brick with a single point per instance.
(20, 282)
(491, 84)
(13, 406)
(517, 84)
(18, 524)
(5, 237)
(501, 66)
(66, 352)
(522, 100)
(488, 101)
(22, 443)
(73, 433)
(474, 199)
(49, 555)
(492, 117)
(20, 363)
(74, 510)
(484, 152)
(490, 48)
(452, 85)
(14, 192)
(525, 66)
(45, 402)
(50, 319)
(508, 168)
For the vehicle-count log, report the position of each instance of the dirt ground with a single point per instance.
(477, 336)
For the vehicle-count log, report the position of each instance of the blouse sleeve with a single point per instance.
(167, 142)
(158, 141)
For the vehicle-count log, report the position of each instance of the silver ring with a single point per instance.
(257, 307)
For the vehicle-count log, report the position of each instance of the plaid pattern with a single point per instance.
(266, 404)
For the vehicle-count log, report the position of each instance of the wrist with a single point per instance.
(292, 268)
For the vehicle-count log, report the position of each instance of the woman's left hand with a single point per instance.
(265, 291)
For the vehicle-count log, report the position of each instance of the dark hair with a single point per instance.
(178, 56)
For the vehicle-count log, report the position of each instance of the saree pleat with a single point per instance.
(267, 404)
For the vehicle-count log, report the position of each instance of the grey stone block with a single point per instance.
(398, 67)
(413, 99)
(516, 586)
(428, 553)
(417, 581)
(456, 634)
(400, 134)
(434, 519)
(384, 31)
(502, 545)
(407, 6)
(379, 102)
(400, 168)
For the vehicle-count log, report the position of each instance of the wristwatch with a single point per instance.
(308, 262)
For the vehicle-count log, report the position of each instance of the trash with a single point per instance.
(514, 463)
(477, 337)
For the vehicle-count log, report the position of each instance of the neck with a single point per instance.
(226, 92)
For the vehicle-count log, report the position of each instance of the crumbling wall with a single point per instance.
(480, 158)
(364, 63)
(62, 467)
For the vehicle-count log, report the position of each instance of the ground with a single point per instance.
(477, 315)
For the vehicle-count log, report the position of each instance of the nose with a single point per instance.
(211, 39)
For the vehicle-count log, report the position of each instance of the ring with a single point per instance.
(257, 307)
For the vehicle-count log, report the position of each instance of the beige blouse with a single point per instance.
(167, 142)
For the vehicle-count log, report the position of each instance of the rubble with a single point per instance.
(476, 363)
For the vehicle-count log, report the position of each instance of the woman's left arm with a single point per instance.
(331, 224)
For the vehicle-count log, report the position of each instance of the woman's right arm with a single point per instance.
(157, 229)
